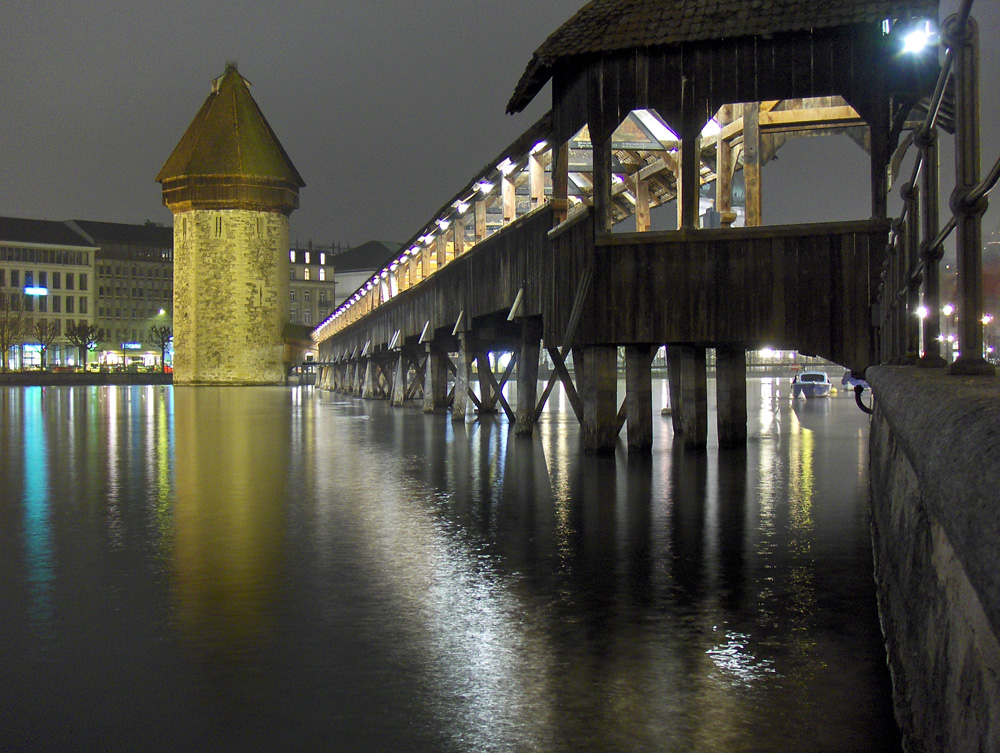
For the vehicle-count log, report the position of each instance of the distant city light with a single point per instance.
(35, 290)
(948, 309)
(922, 312)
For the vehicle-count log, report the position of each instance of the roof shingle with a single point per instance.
(609, 25)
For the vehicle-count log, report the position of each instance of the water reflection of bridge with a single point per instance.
(643, 122)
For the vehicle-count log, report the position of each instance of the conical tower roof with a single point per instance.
(229, 158)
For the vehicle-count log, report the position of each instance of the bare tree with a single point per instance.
(162, 337)
(85, 337)
(14, 322)
(45, 332)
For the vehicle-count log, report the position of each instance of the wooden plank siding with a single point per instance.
(483, 282)
(803, 287)
(825, 62)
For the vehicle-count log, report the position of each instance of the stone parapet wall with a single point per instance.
(935, 488)
(230, 296)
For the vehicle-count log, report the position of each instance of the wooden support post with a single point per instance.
(690, 182)
(527, 376)
(724, 169)
(435, 381)
(640, 188)
(639, 396)
(880, 114)
(678, 186)
(508, 194)
(603, 214)
(751, 164)
(398, 393)
(425, 263)
(460, 402)
(731, 393)
(600, 396)
(692, 396)
(484, 369)
(497, 390)
(480, 219)
(441, 247)
(536, 180)
(560, 183)
(571, 394)
(459, 234)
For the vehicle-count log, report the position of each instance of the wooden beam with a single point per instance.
(640, 188)
(560, 183)
(480, 219)
(459, 230)
(571, 393)
(536, 180)
(751, 164)
(509, 195)
(497, 390)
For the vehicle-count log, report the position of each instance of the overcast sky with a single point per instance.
(386, 108)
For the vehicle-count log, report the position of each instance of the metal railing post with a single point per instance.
(912, 276)
(930, 254)
(964, 39)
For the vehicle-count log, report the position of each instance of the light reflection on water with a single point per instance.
(264, 568)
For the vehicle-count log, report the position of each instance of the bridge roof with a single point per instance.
(613, 25)
(230, 136)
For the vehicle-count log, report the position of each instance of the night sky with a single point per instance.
(386, 108)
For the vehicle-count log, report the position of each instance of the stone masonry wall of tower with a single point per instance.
(230, 296)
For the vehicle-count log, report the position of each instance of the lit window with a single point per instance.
(305, 273)
(307, 258)
(322, 275)
(322, 258)
(291, 256)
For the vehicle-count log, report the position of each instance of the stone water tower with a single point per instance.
(231, 188)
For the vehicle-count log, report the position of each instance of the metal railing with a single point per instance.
(911, 275)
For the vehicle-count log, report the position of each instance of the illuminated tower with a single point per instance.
(231, 187)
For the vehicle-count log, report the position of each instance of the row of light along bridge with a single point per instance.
(550, 245)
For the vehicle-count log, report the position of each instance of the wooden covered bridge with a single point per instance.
(552, 244)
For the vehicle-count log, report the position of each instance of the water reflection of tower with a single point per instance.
(230, 513)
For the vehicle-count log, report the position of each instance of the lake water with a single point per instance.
(289, 569)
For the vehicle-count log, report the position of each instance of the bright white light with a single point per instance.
(922, 312)
(987, 318)
(948, 309)
(162, 311)
(443, 224)
(505, 167)
(919, 38)
(540, 146)
(768, 353)
(915, 41)
(462, 207)
(712, 128)
(484, 186)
